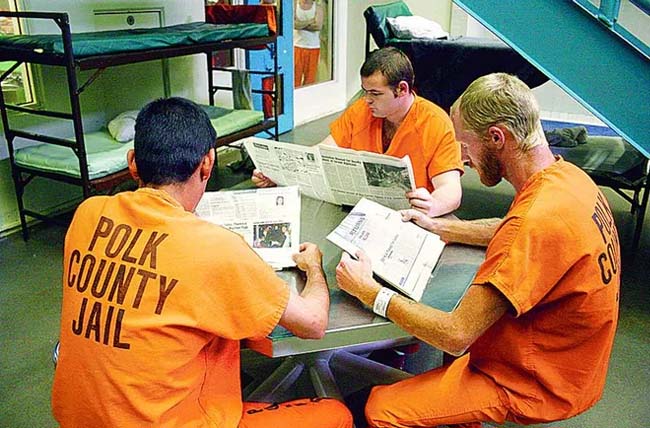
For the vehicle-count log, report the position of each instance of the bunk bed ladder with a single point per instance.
(75, 105)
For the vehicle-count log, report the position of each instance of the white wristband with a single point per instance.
(381, 301)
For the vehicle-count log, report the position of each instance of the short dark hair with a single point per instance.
(392, 63)
(172, 135)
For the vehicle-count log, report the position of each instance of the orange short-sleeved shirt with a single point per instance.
(426, 135)
(155, 301)
(555, 257)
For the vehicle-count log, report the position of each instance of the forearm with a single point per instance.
(443, 202)
(313, 26)
(435, 327)
(470, 232)
(430, 325)
(302, 25)
(452, 332)
(316, 295)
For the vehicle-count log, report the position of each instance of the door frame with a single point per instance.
(320, 99)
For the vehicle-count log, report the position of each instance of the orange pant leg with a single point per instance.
(305, 66)
(302, 413)
(298, 66)
(312, 56)
(450, 395)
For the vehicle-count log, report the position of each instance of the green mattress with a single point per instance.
(110, 42)
(107, 156)
(227, 121)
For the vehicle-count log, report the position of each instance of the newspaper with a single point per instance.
(268, 219)
(333, 174)
(402, 253)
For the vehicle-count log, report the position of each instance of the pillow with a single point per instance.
(122, 128)
(415, 27)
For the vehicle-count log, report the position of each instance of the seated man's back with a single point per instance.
(156, 300)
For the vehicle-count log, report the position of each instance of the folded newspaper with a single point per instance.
(333, 174)
(268, 219)
(402, 253)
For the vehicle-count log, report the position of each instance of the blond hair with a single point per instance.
(501, 99)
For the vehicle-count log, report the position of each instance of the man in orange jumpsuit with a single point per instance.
(156, 300)
(535, 329)
(391, 119)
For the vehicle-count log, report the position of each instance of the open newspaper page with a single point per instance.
(290, 165)
(402, 253)
(268, 219)
(353, 175)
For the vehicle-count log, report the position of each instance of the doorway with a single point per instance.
(319, 58)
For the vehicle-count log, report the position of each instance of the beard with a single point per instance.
(489, 169)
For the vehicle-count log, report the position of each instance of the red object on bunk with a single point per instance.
(237, 14)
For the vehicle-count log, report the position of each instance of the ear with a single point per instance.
(207, 164)
(497, 136)
(402, 88)
(133, 168)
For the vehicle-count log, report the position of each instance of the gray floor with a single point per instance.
(30, 275)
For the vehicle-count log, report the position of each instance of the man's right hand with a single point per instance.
(261, 180)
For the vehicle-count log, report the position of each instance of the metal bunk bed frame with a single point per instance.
(22, 176)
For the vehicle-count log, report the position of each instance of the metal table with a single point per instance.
(352, 327)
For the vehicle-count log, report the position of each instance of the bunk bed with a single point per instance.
(94, 160)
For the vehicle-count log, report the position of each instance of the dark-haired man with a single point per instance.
(391, 119)
(156, 300)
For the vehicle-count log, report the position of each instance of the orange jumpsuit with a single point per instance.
(426, 135)
(155, 303)
(555, 258)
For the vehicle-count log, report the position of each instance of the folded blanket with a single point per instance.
(567, 137)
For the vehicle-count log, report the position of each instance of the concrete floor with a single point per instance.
(30, 276)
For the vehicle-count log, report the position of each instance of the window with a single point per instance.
(17, 88)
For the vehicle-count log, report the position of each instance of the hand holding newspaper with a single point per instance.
(268, 219)
(402, 253)
(333, 174)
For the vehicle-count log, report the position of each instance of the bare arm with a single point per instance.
(451, 332)
(314, 24)
(301, 25)
(444, 199)
(317, 23)
(469, 232)
(307, 313)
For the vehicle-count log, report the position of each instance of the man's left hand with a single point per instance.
(421, 200)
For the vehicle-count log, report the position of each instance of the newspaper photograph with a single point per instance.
(353, 175)
(402, 253)
(334, 174)
(268, 219)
